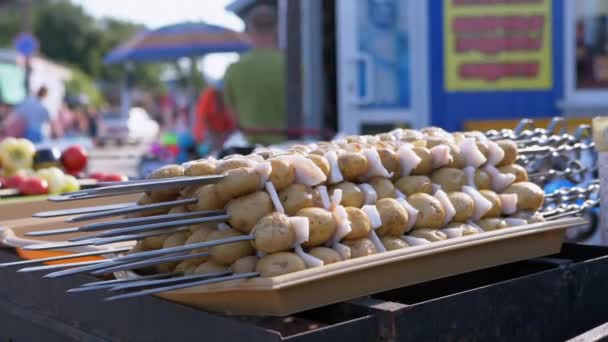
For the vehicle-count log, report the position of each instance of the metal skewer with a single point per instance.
(157, 184)
(60, 266)
(149, 262)
(84, 210)
(182, 286)
(65, 257)
(132, 210)
(104, 285)
(148, 283)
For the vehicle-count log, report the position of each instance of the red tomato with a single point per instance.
(114, 177)
(97, 175)
(34, 186)
(74, 159)
(14, 181)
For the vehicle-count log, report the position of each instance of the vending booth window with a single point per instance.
(591, 44)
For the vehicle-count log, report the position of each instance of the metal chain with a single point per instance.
(579, 192)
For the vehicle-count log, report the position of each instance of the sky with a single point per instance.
(155, 13)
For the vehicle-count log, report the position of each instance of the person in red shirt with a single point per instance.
(213, 122)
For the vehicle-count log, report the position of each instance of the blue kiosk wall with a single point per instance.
(451, 109)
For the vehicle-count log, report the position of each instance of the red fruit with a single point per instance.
(2, 182)
(34, 186)
(114, 177)
(14, 181)
(74, 159)
(99, 176)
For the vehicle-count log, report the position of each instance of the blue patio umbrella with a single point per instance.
(171, 42)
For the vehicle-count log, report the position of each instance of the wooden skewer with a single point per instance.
(65, 257)
(181, 286)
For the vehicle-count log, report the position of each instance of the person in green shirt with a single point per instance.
(254, 87)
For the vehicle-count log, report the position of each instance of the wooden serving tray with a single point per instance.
(316, 287)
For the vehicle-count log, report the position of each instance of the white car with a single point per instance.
(137, 127)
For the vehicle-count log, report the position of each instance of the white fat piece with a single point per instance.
(309, 260)
(509, 203)
(500, 181)
(223, 226)
(515, 221)
(496, 153)
(336, 198)
(368, 192)
(408, 159)
(469, 173)
(476, 226)
(450, 211)
(335, 175)
(376, 241)
(412, 213)
(399, 194)
(274, 197)
(374, 216)
(482, 204)
(374, 164)
(452, 233)
(441, 156)
(301, 227)
(264, 170)
(324, 194)
(343, 226)
(307, 172)
(343, 250)
(471, 153)
(414, 241)
(397, 133)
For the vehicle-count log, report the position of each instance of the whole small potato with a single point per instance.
(432, 141)
(425, 166)
(327, 255)
(168, 171)
(430, 211)
(361, 247)
(322, 225)
(410, 185)
(283, 174)
(390, 161)
(321, 162)
(458, 161)
(529, 195)
(207, 199)
(432, 235)
(231, 252)
(209, 267)
(510, 149)
(392, 243)
(296, 197)
(393, 216)
(276, 264)
(199, 168)
(245, 265)
(145, 200)
(176, 239)
(531, 217)
(521, 175)
(450, 179)
(359, 223)
(233, 163)
(483, 180)
(352, 165)
(492, 224)
(154, 242)
(246, 211)
(383, 187)
(496, 209)
(273, 233)
(352, 196)
(178, 210)
(463, 204)
(237, 182)
(187, 267)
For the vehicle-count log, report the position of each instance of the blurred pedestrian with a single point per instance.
(213, 122)
(31, 119)
(254, 87)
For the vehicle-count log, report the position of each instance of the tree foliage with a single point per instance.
(69, 35)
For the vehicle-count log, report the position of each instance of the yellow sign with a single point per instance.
(497, 45)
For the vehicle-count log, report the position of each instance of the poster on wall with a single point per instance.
(497, 45)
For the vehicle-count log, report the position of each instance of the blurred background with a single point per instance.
(143, 84)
